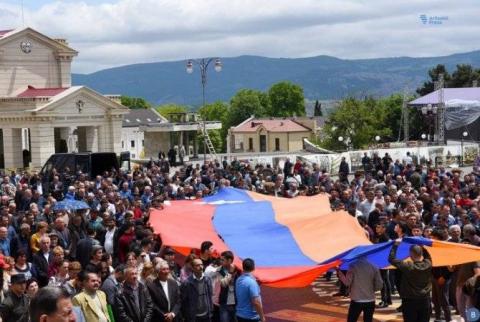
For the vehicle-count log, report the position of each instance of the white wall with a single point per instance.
(130, 134)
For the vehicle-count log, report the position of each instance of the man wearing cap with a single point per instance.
(14, 307)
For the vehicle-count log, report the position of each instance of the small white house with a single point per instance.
(145, 133)
(133, 138)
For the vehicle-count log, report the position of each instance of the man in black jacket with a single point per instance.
(14, 307)
(165, 295)
(21, 241)
(197, 305)
(133, 302)
(41, 260)
(85, 246)
(343, 171)
(416, 283)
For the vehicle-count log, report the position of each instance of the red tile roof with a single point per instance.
(3, 32)
(271, 125)
(41, 92)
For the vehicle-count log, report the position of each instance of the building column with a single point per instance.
(12, 148)
(116, 137)
(195, 145)
(229, 143)
(72, 139)
(64, 73)
(91, 136)
(171, 139)
(103, 138)
(180, 140)
(186, 142)
(42, 144)
(110, 135)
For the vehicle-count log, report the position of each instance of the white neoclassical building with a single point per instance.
(41, 113)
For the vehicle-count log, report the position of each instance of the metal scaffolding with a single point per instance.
(440, 119)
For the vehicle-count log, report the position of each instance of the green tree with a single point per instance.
(217, 111)
(286, 99)
(167, 109)
(391, 108)
(357, 120)
(134, 102)
(418, 124)
(318, 109)
(464, 76)
(434, 73)
(245, 103)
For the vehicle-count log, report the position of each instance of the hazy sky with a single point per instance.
(110, 33)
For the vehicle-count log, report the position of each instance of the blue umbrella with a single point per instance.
(69, 204)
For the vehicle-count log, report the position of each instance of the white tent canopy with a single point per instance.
(459, 113)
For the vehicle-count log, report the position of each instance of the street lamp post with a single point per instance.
(464, 135)
(424, 137)
(340, 139)
(203, 65)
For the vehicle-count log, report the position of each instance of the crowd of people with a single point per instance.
(107, 260)
(396, 199)
(104, 256)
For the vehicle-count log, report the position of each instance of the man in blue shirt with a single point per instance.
(249, 301)
(126, 192)
(4, 241)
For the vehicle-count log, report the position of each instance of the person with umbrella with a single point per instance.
(70, 205)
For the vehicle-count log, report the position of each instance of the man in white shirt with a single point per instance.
(41, 261)
(407, 159)
(367, 205)
(165, 294)
(109, 223)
